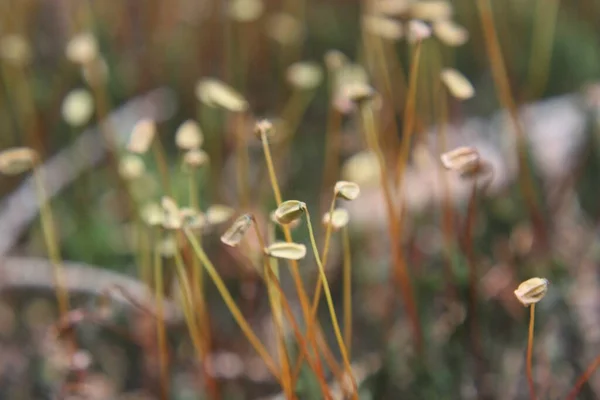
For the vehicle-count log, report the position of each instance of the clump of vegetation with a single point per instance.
(178, 228)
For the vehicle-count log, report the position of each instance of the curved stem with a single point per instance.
(233, 308)
(336, 327)
(583, 379)
(530, 352)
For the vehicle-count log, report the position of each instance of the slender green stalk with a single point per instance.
(400, 270)
(334, 321)
(347, 290)
(49, 230)
(275, 300)
(161, 335)
(319, 285)
(544, 25)
(233, 308)
(530, 352)
(302, 296)
(583, 379)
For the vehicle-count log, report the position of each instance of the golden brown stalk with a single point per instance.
(530, 352)
(233, 308)
(501, 82)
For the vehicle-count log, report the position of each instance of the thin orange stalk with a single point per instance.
(530, 352)
(584, 378)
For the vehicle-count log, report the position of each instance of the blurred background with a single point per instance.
(77, 77)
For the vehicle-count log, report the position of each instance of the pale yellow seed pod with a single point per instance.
(457, 84)
(418, 31)
(531, 291)
(450, 33)
(246, 10)
(216, 93)
(189, 135)
(236, 232)
(152, 214)
(141, 136)
(286, 251)
(285, 29)
(392, 8)
(172, 216)
(384, 27)
(362, 168)
(338, 219)
(131, 167)
(346, 190)
(195, 159)
(305, 75)
(292, 225)
(17, 160)
(77, 107)
(82, 48)
(218, 213)
(464, 160)
(289, 211)
(335, 59)
(264, 128)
